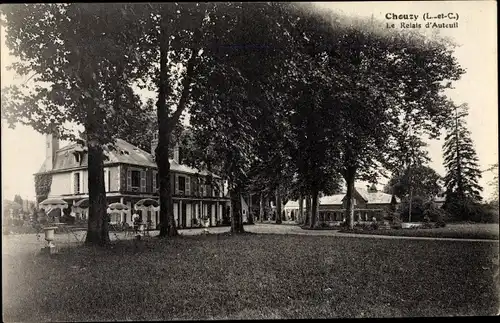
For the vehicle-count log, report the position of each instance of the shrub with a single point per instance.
(434, 214)
(427, 225)
(396, 221)
(417, 209)
(468, 210)
(440, 224)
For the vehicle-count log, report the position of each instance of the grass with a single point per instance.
(457, 231)
(254, 276)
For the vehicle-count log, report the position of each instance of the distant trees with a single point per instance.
(18, 199)
(494, 183)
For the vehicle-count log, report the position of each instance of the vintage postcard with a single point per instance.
(239, 160)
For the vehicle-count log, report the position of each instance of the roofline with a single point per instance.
(66, 170)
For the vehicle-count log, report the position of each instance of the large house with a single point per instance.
(368, 203)
(130, 174)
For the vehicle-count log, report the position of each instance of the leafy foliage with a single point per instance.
(42, 186)
(494, 183)
(423, 180)
(82, 62)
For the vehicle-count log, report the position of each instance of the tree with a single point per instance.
(494, 183)
(378, 77)
(18, 199)
(170, 53)
(424, 182)
(140, 125)
(81, 62)
(235, 105)
(461, 164)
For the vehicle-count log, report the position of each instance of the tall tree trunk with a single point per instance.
(97, 231)
(308, 210)
(314, 208)
(236, 216)
(301, 209)
(349, 213)
(278, 205)
(261, 207)
(167, 221)
(168, 226)
(166, 123)
(266, 207)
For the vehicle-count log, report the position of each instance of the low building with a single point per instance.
(368, 203)
(130, 174)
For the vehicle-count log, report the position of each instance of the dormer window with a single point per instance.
(77, 158)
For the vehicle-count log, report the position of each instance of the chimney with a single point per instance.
(51, 147)
(154, 144)
(176, 153)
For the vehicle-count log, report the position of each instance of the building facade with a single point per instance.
(130, 174)
(368, 203)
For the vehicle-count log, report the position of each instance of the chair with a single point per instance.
(129, 231)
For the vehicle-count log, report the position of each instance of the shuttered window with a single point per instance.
(76, 183)
(136, 180)
(155, 181)
(188, 186)
(143, 181)
(129, 179)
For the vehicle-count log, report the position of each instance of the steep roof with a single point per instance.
(124, 153)
(375, 197)
(332, 199)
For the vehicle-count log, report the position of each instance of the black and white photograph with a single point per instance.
(193, 161)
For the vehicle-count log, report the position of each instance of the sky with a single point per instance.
(23, 149)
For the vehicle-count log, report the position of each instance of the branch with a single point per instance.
(185, 89)
(30, 78)
(186, 82)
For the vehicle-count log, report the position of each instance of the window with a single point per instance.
(76, 183)
(136, 178)
(156, 182)
(77, 157)
(182, 184)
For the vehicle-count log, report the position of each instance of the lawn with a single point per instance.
(458, 231)
(254, 276)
